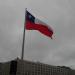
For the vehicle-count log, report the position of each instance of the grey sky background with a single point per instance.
(59, 14)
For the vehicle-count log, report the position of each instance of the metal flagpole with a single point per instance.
(22, 55)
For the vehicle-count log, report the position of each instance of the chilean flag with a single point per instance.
(33, 23)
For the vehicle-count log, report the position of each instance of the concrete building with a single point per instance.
(0, 68)
(5, 68)
(24, 67)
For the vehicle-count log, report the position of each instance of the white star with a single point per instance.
(30, 16)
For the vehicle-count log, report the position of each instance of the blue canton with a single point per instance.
(30, 17)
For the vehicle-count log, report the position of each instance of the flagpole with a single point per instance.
(23, 43)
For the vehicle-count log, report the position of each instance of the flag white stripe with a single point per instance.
(37, 21)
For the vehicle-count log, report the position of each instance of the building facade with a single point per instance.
(24, 67)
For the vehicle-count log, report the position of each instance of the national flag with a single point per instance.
(33, 23)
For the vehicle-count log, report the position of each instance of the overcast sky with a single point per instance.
(59, 14)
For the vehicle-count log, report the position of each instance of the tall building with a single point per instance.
(24, 67)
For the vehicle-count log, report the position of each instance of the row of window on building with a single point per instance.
(21, 67)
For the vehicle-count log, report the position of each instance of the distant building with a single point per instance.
(23, 67)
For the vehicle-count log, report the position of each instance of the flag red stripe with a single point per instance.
(41, 28)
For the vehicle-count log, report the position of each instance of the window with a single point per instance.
(13, 67)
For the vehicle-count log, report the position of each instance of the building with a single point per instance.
(24, 67)
(0, 68)
(5, 68)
